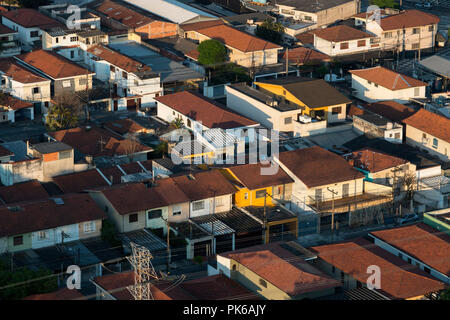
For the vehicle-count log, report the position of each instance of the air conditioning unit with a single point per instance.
(305, 119)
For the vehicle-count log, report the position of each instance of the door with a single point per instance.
(345, 190)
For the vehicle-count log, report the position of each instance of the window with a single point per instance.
(435, 143)
(416, 92)
(133, 218)
(415, 46)
(344, 45)
(416, 31)
(124, 75)
(72, 54)
(57, 40)
(427, 270)
(424, 135)
(34, 34)
(397, 135)
(73, 39)
(189, 123)
(388, 35)
(288, 120)
(307, 18)
(431, 28)
(82, 81)
(219, 202)
(336, 110)
(333, 269)
(89, 227)
(42, 235)
(154, 214)
(176, 211)
(409, 260)
(361, 43)
(35, 90)
(18, 240)
(376, 85)
(260, 194)
(369, 82)
(246, 196)
(234, 267)
(263, 283)
(66, 84)
(65, 155)
(284, 92)
(3, 81)
(112, 69)
(198, 205)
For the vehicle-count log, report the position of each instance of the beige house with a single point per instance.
(243, 49)
(429, 131)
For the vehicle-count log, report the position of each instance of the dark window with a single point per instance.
(234, 267)
(288, 120)
(189, 123)
(65, 154)
(260, 194)
(124, 75)
(72, 54)
(155, 214)
(3, 81)
(133, 217)
(18, 240)
(361, 43)
(73, 39)
(112, 68)
(344, 45)
(336, 110)
(34, 34)
(427, 270)
(333, 269)
(409, 260)
(36, 90)
(263, 283)
(57, 40)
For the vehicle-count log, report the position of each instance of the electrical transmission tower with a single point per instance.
(143, 272)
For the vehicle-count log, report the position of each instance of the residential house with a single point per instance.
(276, 271)
(378, 126)
(130, 78)
(341, 40)
(243, 49)
(380, 167)
(9, 42)
(438, 219)
(62, 13)
(319, 12)
(71, 43)
(380, 84)
(25, 84)
(405, 31)
(65, 75)
(148, 26)
(419, 245)
(29, 24)
(319, 100)
(127, 128)
(25, 191)
(13, 109)
(390, 110)
(349, 261)
(199, 113)
(304, 56)
(43, 223)
(217, 287)
(257, 189)
(429, 131)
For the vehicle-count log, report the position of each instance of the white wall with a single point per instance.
(326, 46)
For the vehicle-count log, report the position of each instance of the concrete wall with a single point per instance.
(334, 48)
(414, 137)
(70, 85)
(7, 243)
(15, 172)
(222, 204)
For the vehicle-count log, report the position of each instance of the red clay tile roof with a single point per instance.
(124, 15)
(388, 78)
(391, 110)
(283, 269)
(11, 68)
(421, 242)
(53, 65)
(200, 108)
(117, 59)
(46, 214)
(408, 19)
(316, 166)
(97, 142)
(302, 55)
(341, 33)
(399, 280)
(29, 18)
(237, 39)
(80, 181)
(204, 185)
(354, 110)
(250, 175)
(373, 161)
(5, 152)
(306, 37)
(15, 104)
(195, 26)
(61, 294)
(431, 123)
(124, 126)
(5, 30)
(3, 9)
(25, 191)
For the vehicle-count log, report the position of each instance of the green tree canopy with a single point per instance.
(211, 53)
(270, 31)
(385, 3)
(61, 117)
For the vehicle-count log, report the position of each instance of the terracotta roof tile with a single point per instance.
(80, 181)
(408, 19)
(237, 39)
(373, 161)
(388, 78)
(11, 68)
(124, 126)
(302, 55)
(61, 294)
(29, 18)
(25, 191)
(431, 123)
(391, 110)
(9, 101)
(195, 26)
(52, 64)
(316, 166)
(46, 214)
(398, 279)
(200, 108)
(124, 15)
(422, 242)
(341, 33)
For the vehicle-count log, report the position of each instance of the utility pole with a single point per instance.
(333, 193)
(168, 243)
(265, 218)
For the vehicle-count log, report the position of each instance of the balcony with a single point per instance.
(307, 126)
(351, 203)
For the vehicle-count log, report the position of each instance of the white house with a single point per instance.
(129, 77)
(342, 40)
(10, 45)
(69, 38)
(29, 23)
(379, 84)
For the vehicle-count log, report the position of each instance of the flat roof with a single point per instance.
(51, 147)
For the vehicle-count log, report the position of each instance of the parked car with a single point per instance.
(427, 5)
(410, 217)
(419, 5)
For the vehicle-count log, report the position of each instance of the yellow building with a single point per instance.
(320, 100)
(256, 189)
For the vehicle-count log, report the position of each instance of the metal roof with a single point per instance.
(51, 147)
(146, 239)
(239, 221)
(212, 225)
(439, 64)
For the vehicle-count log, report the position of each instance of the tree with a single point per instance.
(385, 3)
(178, 123)
(211, 53)
(445, 295)
(60, 117)
(270, 31)
(32, 3)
